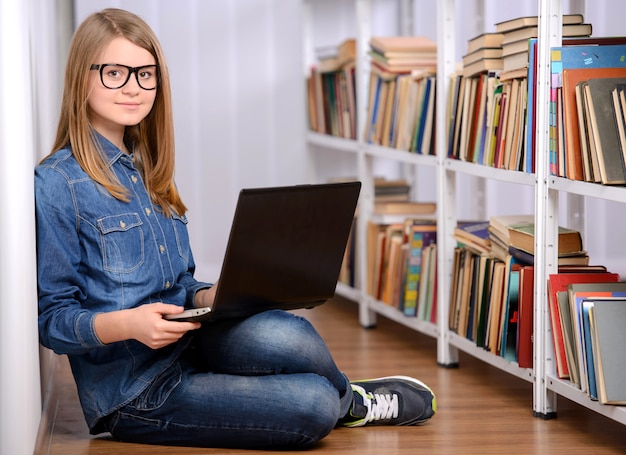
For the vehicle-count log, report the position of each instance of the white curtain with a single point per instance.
(20, 397)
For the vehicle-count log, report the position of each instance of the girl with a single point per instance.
(114, 259)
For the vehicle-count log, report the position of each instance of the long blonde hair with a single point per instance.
(152, 139)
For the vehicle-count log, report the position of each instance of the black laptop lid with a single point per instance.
(286, 247)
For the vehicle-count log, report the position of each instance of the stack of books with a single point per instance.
(403, 54)
(392, 197)
(484, 53)
(517, 32)
(401, 101)
(331, 94)
(514, 235)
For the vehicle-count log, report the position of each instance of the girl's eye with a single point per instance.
(114, 74)
(146, 74)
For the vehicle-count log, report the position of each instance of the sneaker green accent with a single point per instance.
(392, 400)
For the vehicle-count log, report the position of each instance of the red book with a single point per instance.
(558, 282)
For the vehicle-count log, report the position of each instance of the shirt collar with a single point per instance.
(110, 152)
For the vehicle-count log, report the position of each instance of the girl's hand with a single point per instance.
(144, 324)
(205, 297)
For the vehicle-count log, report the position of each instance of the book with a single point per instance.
(603, 129)
(590, 367)
(484, 40)
(496, 293)
(510, 316)
(618, 96)
(608, 339)
(577, 53)
(481, 66)
(420, 235)
(375, 247)
(499, 231)
(394, 237)
(487, 265)
(515, 61)
(403, 208)
(482, 53)
(515, 47)
(529, 259)
(475, 235)
(427, 294)
(466, 273)
(565, 316)
(558, 282)
(577, 293)
(530, 21)
(570, 78)
(402, 44)
(526, 317)
(331, 61)
(526, 308)
(568, 30)
(522, 237)
(404, 62)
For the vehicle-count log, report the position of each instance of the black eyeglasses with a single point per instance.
(114, 75)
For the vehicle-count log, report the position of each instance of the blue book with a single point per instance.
(372, 120)
(530, 111)
(588, 352)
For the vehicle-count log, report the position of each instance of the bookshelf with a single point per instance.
(548, 192)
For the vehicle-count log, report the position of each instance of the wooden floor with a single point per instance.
(481, 410)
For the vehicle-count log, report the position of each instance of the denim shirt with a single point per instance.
(98, 254)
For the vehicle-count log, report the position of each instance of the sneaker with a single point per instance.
(392, 400)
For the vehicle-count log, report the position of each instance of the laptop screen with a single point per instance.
(285, 247)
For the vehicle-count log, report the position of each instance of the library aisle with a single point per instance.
(481, 410)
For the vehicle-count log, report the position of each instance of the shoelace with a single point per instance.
(381, 407)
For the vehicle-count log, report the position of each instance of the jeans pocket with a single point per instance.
(159, 390)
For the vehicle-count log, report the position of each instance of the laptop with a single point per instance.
(285, 250)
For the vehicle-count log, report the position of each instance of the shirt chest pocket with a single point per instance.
(122, 242)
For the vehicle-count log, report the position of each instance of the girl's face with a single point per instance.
(112, 110)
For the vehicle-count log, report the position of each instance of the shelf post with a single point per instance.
(546, 213)
(447, 355)
(367, 317)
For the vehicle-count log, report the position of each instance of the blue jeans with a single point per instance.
(265, 381)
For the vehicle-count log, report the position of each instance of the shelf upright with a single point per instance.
(546, 212)
(447, 355)
(367, 317)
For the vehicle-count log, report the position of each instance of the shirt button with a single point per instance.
(167, 285)
(134, 178)
(148, 211)
(122, 224)
(161, 249)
